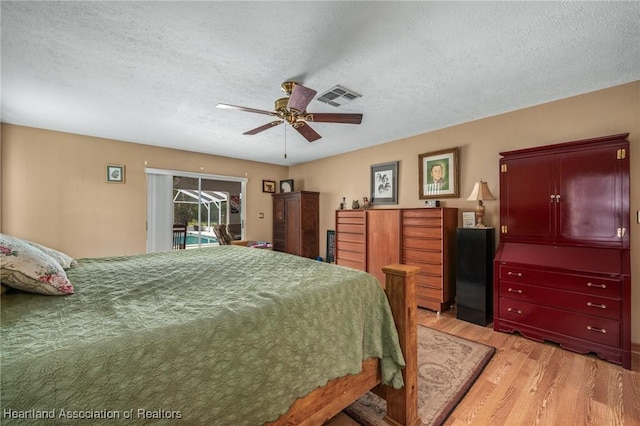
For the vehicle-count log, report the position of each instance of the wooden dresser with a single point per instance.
(423, 237)
(562, 270)
(296, 223)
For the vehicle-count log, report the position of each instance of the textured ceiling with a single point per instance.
(153, 72)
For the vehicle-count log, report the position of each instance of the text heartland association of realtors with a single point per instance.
(62, 413)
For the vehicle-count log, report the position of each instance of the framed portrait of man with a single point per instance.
(438, 177)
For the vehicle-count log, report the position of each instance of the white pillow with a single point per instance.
(63, 259)
(26, 267)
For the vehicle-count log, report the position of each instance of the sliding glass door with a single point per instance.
(200, 201)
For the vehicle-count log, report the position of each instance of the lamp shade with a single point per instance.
(481, 192)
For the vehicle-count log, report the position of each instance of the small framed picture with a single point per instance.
(286, 185)
(115, 173)
(384, 183)
(269, 186)
(468, 219)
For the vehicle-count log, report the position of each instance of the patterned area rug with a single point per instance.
(447, 367)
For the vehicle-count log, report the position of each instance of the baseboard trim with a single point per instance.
(635, 347)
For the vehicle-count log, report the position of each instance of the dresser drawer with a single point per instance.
(428, 256)
(422, 213)
(350, 228)
(429, 292)
(433, 281)
(576, 302)
(355, 256)
(604, 287)
(421, 228)
(350, 246)
(351, 264)
(590, 328)
(350, 216)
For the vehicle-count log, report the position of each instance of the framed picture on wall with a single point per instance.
(286, 185)
(384, 183)
(438, 174)
(269, 186)
(115, 173)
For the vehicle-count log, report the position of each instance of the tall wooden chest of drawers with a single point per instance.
(423, 237)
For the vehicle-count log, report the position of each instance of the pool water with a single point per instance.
(193, 239)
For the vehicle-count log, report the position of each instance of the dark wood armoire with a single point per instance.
(296, 223)
(562, 270)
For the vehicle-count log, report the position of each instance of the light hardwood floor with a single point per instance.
(531, 383)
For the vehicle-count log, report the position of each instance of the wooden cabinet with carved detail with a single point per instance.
(562, 271)
(296, 223)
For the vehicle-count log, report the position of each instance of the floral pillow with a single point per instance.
(25, 267)
(63, 259)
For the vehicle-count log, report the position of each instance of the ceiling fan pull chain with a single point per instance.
(285, 142)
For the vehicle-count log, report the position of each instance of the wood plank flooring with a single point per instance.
(531, 383)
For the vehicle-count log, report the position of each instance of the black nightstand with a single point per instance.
(474, 275)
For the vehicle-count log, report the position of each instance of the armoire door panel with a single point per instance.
(527, 208)
(590, 196)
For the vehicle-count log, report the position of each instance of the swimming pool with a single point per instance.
(192, 240)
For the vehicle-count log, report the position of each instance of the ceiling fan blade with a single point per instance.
(263, 128)
(305, 130)
(334, 118)
(239, 108)
(300, 97)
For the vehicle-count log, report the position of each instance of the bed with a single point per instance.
(225, 335)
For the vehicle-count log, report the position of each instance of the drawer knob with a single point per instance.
(517, 274)
(595, 305)
(514, 290)
(517, 311)
(596, 285)
(598, 330)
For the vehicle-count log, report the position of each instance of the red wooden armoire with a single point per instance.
(562, 269)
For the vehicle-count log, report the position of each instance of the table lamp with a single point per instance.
(480, 192)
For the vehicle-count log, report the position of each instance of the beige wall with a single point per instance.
(54, 190)
(605, 112)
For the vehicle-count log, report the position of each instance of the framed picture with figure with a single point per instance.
(438, 174)
(384, 183)
(269, 186)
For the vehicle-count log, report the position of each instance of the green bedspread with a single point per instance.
(214, 336)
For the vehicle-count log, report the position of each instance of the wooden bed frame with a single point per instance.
(402, 404)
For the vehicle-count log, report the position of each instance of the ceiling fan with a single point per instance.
(292, 110)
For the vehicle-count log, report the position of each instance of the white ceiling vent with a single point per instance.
(337, 96)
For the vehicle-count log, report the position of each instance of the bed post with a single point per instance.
(400, 287)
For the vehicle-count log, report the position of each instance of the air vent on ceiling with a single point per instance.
(337, 96)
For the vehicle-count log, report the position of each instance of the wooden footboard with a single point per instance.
(402, 404)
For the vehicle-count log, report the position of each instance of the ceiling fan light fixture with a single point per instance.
(287, 87)
(281, 104)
